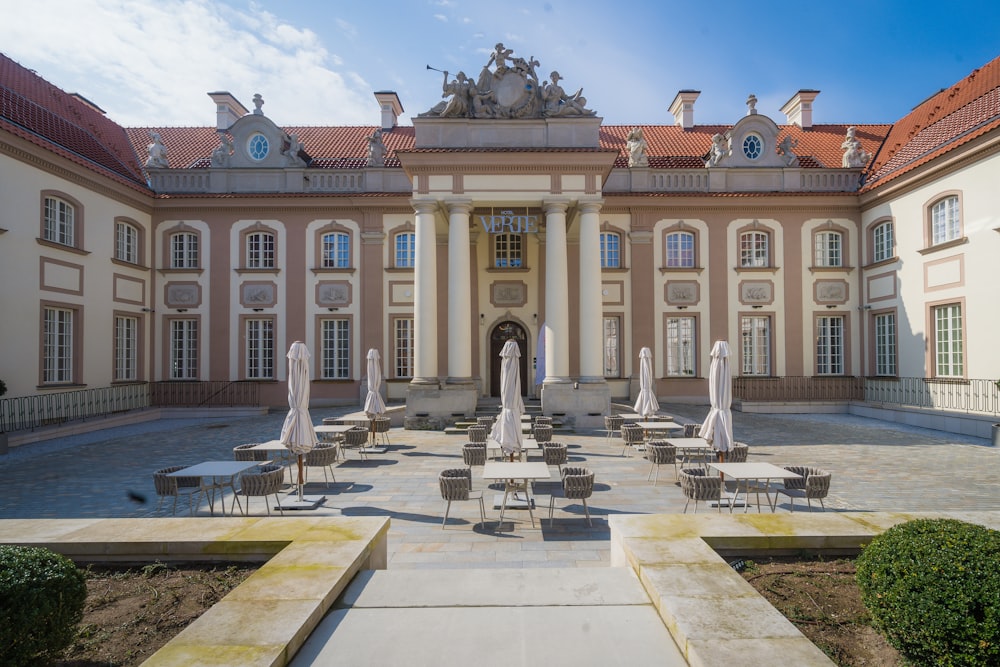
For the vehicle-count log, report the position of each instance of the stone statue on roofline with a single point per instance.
(637, 146)
(157, 152)
(376, 149)
(785, 149)
(854, 155)
(719, 150)
(222, 152)
(258, 102)
(291, 153)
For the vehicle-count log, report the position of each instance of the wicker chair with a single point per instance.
(737, 453)
(632, 436)
(323, 455)
(658, 453)
(477, 433)
(357, 438)
(380, 426)
(456, 484)
(474, 454)
(691, 430)
(247, 453)
(697, 484)
(814, 484)
(486, 422)
(555, 454)
(543, 433)
(577, 484)
(266, 482)
(176, 487)
(612, 427)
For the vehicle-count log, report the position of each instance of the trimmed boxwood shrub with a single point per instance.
(41, 602)
(932, 587)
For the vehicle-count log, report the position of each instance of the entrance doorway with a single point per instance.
(501, 333)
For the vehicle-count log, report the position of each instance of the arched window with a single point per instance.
(755, 249)
(946, 223)
(260, 250)
(126, 242)
(184, 251)
(60, 221)
(679, 250)
(406, 243)
(611, 257)
(828, 249)
(883, 242)
(336, 250)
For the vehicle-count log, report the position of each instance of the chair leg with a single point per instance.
(552, 504)
(586, 510)
(482, 511)
(446, 510)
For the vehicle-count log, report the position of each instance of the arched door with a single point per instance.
(501, 333)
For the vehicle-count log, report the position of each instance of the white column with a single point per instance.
(591, 313)
(425, 361)
(459, 293)
(556, 294)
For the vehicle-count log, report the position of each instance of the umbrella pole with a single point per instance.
(300, 477)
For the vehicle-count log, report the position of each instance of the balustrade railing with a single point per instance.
(793, 388)
(29, 412)
(205, 394)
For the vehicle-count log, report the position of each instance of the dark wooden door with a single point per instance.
(500, 335)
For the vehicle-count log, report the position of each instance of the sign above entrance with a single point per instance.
(509, 221)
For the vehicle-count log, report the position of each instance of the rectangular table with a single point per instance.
(747, 472)
(221, 474)
(507, 471)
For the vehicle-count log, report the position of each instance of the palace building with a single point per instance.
(510, 210)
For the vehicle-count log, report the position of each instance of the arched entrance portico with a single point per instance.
(500, 334)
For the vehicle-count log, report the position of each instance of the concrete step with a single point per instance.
(505, 617)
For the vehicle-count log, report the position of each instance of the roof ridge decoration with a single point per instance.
(511, 90)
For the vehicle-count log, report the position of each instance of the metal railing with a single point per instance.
(30, 412)
(205, 394)
(793, 388)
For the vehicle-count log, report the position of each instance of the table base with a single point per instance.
(374, 450)
(513, 502)
(292, 502)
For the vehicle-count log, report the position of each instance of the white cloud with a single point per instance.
(441, 17)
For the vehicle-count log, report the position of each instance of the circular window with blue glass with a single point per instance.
(752, 146)
(257, 147)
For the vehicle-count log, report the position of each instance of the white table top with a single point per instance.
(689, 443)
(660, 426)
(270, 446)
(333, 428)
(753, 471)
(215, 469)
(516, 470)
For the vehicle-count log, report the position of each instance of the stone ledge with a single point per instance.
(308, 562)
(715, 617)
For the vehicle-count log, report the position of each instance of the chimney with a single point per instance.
(391, 107)
(228, 110)
(799, 109)
(683, 108)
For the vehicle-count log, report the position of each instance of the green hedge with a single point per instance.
(932, 587)
(41, 602)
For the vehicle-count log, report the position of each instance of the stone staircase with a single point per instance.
(490, 407)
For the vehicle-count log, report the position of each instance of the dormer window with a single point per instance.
(257, 147)
(753, 146)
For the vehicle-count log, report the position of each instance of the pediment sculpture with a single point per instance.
(854, 155)
(510, 89)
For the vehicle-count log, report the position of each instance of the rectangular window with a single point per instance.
(944, 221)
(403, 346)
(610, 251)
(680, 250)
(57, 346)
(260, 251)
(680, 347)
(184, 251)
(260, 349)
(59, 225)
(183, 349)
(829, 250)
(406, 245)
(754, 250)
(612, 347)
(336, 341)
(126, 348)
(948, 350)
(882, 242)
(507, 251)
(830, 345)
(755, 333)
(885, 344)
(126, 243)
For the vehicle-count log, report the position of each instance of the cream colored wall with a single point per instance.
(202, 311)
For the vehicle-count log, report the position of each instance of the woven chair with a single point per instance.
(612, 427)
(267, 481)
(543, 433)
(697, 484)
(540, 420)
(247, 453)
(456, 484)
(737, 453)
(323, 455)
(175, 487)
(485, 421)
(577, 484)
(474, 454)
(814, 484)
(658, 453)
(632, 436)
(555, 454)
(357, 438)
(477, 433)
(691, 430)
(381, 427)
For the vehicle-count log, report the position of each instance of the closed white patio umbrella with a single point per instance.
(717, 428)
(507, 428)
(374, 405)
(297, 433)
(646, 403)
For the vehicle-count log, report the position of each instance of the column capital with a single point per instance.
(591, 206)
(551, 207)
(424, 206)
(458, 205)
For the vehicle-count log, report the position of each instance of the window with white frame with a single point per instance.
(508, 251)
(126, 242)
(60, 222)
(57, 346)
(829, 249)
(184, 349)
(183, 250)
(612, 346)
(945, 223)
(336, 349)
(611, 256)
(403, 346)
(260, 250)
(680, 347)
(830, 345)
(883, 244)
(336, 250)
(754, 250)
(259, 349)
(406, 246)
(885, 344)
(679, 250)
(948, 348)
(126, 348)
(755, 339)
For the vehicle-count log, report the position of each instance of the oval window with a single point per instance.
(257, 147)
(752, 146)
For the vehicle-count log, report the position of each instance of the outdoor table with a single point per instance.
(336, 431)
(527, 446)
(281, 452)
(747, 472)
(698, 448)
(221, 474)
(507, 471)
(650, 428)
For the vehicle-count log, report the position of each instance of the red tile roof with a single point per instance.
(34, 109)
(943, 122)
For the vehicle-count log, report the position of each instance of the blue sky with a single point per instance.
(318, 62)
